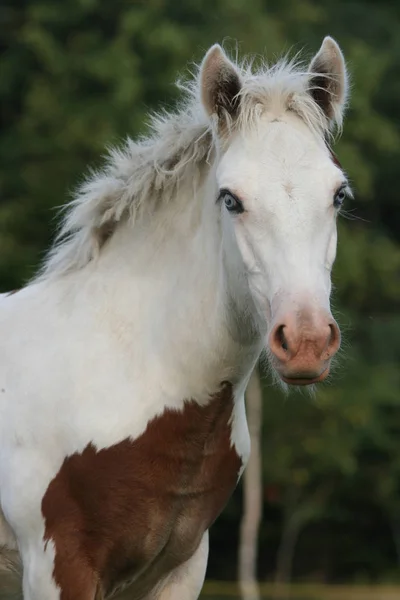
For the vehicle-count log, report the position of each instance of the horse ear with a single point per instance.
(328, 82)
(220, 84)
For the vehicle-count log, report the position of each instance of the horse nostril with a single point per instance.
(280, 334)
(279, 343)
(334, 339)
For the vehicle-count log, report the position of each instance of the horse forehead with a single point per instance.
(275, 152)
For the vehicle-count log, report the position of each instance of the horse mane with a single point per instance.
(142, 173)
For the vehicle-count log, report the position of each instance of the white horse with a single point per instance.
(123, 365)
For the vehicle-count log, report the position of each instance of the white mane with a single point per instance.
(142, 173)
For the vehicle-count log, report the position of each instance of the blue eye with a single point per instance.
(232, 202)
(340, 197)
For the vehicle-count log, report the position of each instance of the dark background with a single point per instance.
(77, 75)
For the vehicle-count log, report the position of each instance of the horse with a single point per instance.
(124, 361)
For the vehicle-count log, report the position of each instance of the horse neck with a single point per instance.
(167, 278)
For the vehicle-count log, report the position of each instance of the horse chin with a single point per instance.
(306, 380)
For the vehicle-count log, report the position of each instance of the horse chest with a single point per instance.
(146, 501)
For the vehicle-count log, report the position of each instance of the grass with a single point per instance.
(216, 590)
(229, 591)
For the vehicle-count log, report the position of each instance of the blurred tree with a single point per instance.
(252, 494)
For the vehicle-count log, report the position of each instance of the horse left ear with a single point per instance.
(220, 84)
(328, 81)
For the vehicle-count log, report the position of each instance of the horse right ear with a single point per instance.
(220, 84)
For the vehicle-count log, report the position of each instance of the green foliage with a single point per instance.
(79, 75)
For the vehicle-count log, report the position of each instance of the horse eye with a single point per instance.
(232, 202)
(340, 197)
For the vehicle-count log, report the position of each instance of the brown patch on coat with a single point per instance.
(138, 509)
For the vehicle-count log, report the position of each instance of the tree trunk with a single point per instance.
(287, 546)
(252, 495)
(395, 527)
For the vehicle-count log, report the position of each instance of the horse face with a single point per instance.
(280, 191)
(280, 196)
